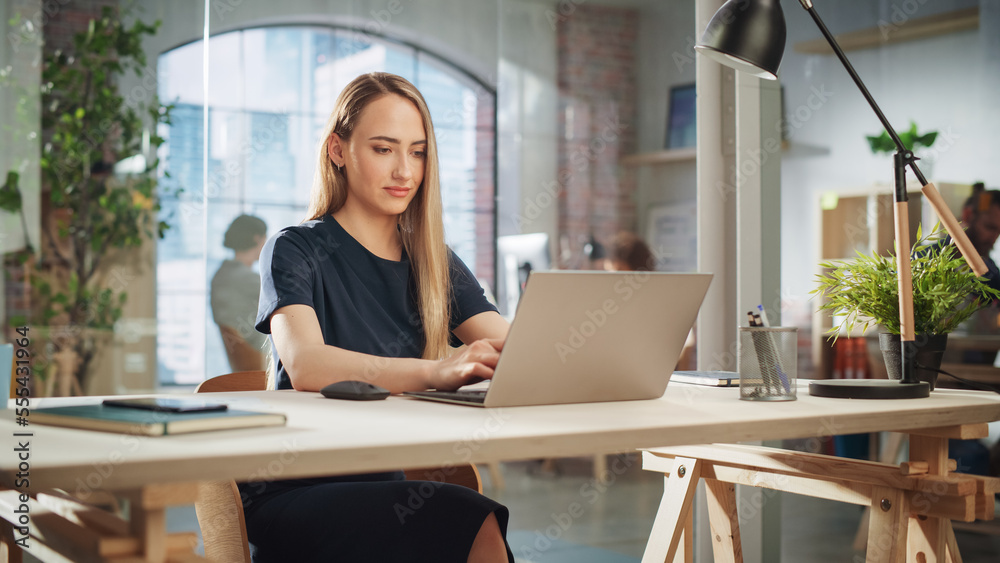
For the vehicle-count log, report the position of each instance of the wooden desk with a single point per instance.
(326, 437)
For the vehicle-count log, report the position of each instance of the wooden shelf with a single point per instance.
(686, 154)
(916, 28)
(660, 157)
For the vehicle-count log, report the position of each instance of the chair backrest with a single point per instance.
(464, 474)
(253, 380)
(220, 509)
(242, 356)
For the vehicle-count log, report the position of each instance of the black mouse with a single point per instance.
(354, 391)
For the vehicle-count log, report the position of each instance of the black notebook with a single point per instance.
(151, 423)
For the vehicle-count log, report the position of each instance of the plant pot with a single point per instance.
(930, 349)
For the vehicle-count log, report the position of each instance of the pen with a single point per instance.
(777, 357)
(765, 352)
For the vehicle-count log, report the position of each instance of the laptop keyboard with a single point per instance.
(470, 396)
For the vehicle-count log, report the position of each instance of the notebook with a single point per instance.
(149, 422)
(585, 337)
(709, 378)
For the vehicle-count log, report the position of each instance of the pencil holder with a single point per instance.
(768, 363)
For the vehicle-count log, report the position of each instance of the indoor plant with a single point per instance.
(945, 294)
(912, 140)
(95, 210)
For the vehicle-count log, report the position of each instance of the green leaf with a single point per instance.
(10, 195)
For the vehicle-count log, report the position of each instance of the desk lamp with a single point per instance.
(749, 36)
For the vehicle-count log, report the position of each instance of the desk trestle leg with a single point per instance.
(911, 505)
(724, 521)
(673, 523)
(887, 527)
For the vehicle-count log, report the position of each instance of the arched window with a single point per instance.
(270, 92)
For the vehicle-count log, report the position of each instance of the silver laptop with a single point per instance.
(586, 337)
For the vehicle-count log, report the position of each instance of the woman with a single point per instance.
(366, 289)
(234, 292)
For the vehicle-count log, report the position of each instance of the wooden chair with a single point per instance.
(242, 356)
(220, 509)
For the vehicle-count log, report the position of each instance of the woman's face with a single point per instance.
(384, 159)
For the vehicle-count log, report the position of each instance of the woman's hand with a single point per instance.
(471, 364)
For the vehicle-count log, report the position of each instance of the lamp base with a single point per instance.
(868, 389)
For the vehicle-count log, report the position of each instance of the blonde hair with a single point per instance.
(421, 225)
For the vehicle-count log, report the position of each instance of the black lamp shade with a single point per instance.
(748, 35)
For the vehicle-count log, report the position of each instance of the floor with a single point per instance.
(560, 514)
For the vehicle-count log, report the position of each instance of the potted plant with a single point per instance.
(945, 294)
(95, 210)
(912, 140)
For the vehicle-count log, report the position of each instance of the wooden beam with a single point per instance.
(817, 466)
(725, 523)
(961, 432)
(888, 33)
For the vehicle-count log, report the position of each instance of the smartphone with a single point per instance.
(166, 405)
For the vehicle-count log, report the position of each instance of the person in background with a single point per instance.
(629, 253)
(235, 290)
(366, 289)
(981, 217)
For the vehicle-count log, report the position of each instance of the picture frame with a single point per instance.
(671, 233)
(681, 118)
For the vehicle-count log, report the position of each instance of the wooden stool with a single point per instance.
(912, 504)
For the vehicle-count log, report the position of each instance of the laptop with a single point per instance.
(587, 337)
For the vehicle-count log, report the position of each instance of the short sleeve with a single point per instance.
(467, 298)
(287, 276)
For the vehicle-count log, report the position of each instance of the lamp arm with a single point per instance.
(951, 224)
(807, 4)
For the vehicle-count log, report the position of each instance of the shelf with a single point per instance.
(660, 157)
(791, 150)
(889, 33)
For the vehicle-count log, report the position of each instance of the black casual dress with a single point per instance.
(365, 304)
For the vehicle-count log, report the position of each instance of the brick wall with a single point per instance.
(64, 18)
(597, 105)
(485, 178)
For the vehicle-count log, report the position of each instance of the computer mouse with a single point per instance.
(354, 391)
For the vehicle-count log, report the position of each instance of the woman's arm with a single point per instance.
(484, 325)
(311, 364)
